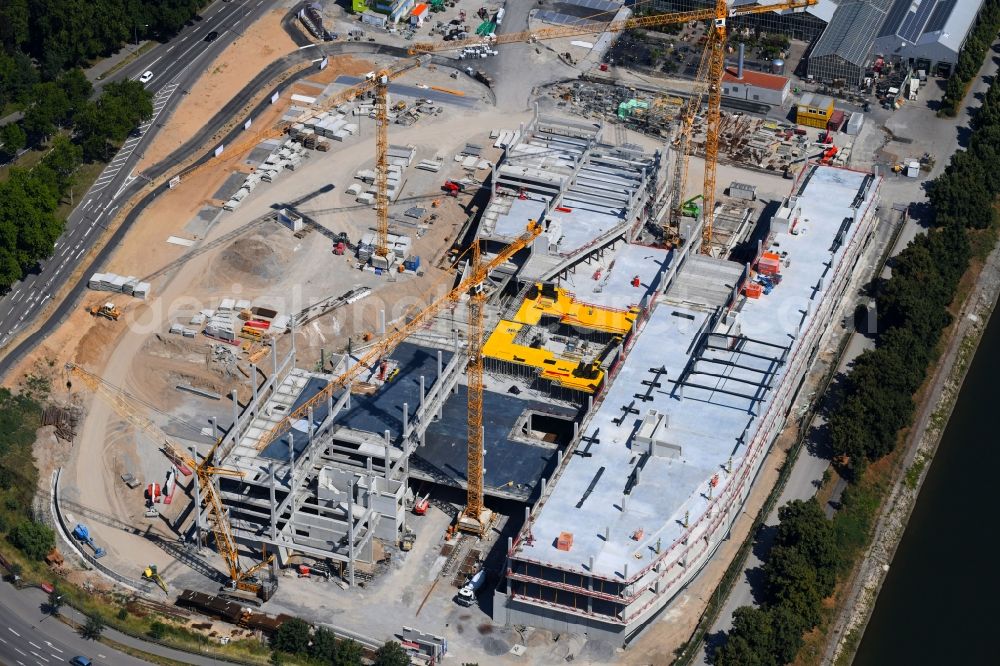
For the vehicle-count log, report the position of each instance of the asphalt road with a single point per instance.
(176, 65)
(29, 637)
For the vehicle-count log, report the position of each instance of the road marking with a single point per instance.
(19, 649)
(171, 48)
(87, 233)
(13, 632)
(37, 647)
(101, 656)
(40, 656)
(80, 252)
(53, 647)
(8, 314)
(16, 293)
(3, 640)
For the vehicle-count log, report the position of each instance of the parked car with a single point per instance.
(212, 36)
(146, 76)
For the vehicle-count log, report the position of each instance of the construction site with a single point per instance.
(421, 357)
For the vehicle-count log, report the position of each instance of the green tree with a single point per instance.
(348, 653)
(790, 579)
(13, 138)
(157, 630)
(391, 654)
(93, 628)
(803, 526)
(323, 646)
(292, 636)
(14, 18)
(55, 602)
(63, 159)
(33, 539)
(750, 640)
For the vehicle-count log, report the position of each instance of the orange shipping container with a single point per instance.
(753, 290)
(565, 541)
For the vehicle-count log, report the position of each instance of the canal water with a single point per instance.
(940, 598)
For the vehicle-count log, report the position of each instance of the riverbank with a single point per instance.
(922, 443)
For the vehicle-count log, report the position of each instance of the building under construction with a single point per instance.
(662, 464)
(631, 392)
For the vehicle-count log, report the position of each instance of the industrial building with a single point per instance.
(927, 34)
(665, 460)
(844, 52)
(739, 83)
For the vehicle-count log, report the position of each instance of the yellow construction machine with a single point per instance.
(108, 311)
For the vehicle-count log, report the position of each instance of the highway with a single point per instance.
(176, 65)
(30, 637)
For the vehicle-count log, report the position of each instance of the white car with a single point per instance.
(146, 76)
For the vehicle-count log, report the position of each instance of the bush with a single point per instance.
(157, 630)
(292, 637)
(391, 654)
(33, 539)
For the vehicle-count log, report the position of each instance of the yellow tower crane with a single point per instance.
(119, 400)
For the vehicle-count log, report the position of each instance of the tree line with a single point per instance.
(20, 417)
(51, 36)
(30, 198)
(297, 638)
(971, 57)
(876, 403)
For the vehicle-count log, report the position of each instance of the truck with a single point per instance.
(467, 595)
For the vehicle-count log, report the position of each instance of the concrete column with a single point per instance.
(543, 487)
(406, 420)
(310, 427)
(423, 438)
(350, 532)
(274, 522)
(215, 428)
(291, 479)
(329, 403)
(347, 402)
(197, 501)
(576, 430)
(559, 457)
(590, 403)
(368, 464)
(381, 323)
(439, 387)
(253, 387)
(510, 548)
(274, 361)
(236, 414)
(422, 393)
(388, 447)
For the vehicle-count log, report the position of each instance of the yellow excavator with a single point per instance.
(152, 574)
